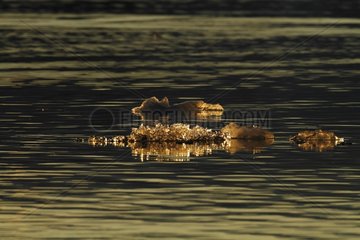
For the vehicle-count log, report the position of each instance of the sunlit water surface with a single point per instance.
(56, 69)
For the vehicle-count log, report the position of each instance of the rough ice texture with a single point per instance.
(199, 108)
(177, 142)
(180, 133)
(316, 140)
(184, 133)
(318, 135)
(242, 132)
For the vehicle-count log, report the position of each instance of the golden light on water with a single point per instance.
(53, 187)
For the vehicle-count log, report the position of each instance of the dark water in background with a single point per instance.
(56, 69)
(304, 8)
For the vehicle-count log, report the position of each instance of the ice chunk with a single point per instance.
(184, 133)
(177, 142)
(180, 133)
(190, 109)
(316, 140)
(198, 106)
(152, 104)
(318, 135)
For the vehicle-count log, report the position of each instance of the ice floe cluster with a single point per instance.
(179, 133)
(178, 141)
(184, 133)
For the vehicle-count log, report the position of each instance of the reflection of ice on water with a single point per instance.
(182, 152)
(173, 151)
(252, 146)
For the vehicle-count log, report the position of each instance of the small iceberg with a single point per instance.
(178, 133)
(177, 142)
(152, 107)
(316, 140)
(184, 133)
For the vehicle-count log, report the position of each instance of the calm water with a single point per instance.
(56, 69)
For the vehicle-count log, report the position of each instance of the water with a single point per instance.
(56, 69)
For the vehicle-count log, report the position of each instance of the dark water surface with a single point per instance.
(56, 69)
(303, 8)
